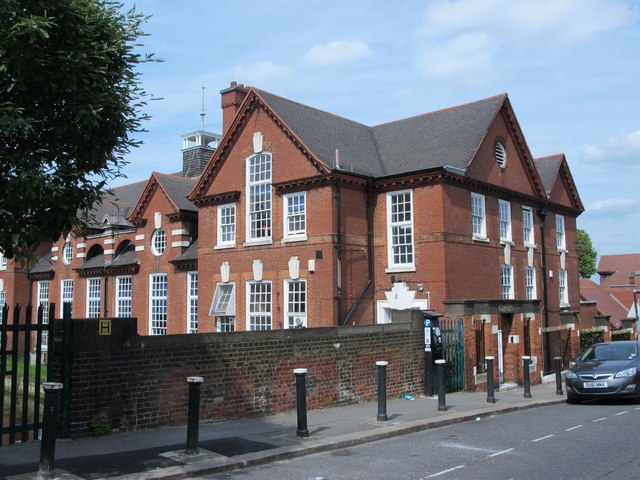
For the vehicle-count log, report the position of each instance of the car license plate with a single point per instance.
(595, 385)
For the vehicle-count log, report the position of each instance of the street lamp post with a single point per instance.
(635, 305)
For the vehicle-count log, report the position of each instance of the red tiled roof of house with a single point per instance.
(619, 267)
(607, 303)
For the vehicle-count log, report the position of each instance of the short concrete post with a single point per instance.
(193, 415)
(301, 401)
(527, 382)
(491, 398)
(382, 391)
(442, 403)
(558, 361)
(52, 391)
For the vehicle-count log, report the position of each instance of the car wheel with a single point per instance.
(573, 400)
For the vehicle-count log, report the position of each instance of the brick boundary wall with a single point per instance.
(133, 382)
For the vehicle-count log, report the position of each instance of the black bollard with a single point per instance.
(382, 391)
(193, 415)
(442, 403)
(527, 382)
(491, 398)
(558, 361)
(52, 392)
(301, 401)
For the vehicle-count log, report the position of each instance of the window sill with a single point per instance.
(478, 238)
(224, 247)
(292, 239)
(507, 242)
(563, 250)
(530, 245)
(257, 243)
(400, 269)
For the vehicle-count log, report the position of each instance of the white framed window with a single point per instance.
(3, 261)
(530, 283)
(226, 235)
(66, 294)
(158, 294)
(43, 301)
(562, 286)
(507, 282)
(124, 296)
(158, 242)
(93, 297)
(223, 307)
(192, 302)
(295, 216)
(527, 226)
(504, 209)
(295, 307)
(259, 305)
(3, 302)
(259, 198)
(67, 253)
(400, 229)
(478, 216)
(561, 240)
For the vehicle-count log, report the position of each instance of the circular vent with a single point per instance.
(501, 154)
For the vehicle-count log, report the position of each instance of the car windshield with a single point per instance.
(609, 351)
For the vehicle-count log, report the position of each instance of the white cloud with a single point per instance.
(613, 205)
(614, 148)
(340, 51)
(471, 37)
(260, 72)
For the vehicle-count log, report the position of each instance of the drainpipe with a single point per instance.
(338, 247)
(543, 213)
(369, 252)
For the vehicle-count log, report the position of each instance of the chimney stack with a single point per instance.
(231, 99)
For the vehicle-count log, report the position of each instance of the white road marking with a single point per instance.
(573, 428)
(500, 453)
(463, 447)
(542, 438)
(622, 413)
(599, 419)
(445, 471)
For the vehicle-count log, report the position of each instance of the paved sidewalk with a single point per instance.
(159, 453)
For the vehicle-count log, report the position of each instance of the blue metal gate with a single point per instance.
(453, 351)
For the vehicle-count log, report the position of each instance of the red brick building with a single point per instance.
(300, 218)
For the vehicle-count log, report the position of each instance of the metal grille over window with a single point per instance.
(260, 306)
(158, 312)
(260, 197)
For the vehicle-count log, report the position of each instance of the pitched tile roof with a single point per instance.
(620, 267)
(178, 189)
(607, 303)
(548, 168)
(445, 137)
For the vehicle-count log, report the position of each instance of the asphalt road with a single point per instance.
(588, 441)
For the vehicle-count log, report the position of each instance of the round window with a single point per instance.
(158, 242)
(501, 154)
(67, 253)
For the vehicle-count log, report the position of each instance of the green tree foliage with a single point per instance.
(586, 254)
(70, 99)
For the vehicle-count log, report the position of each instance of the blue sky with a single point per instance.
(571, 69)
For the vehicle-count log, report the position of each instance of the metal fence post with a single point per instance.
(52, 392)
(527, 382)
(193, 415)
(491, 398)
(301, 401)
(558, 361)
(382, 391)
(442, 404)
